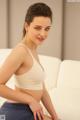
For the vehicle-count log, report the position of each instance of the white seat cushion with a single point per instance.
(69, 75)
(51, 66)
(66, 102)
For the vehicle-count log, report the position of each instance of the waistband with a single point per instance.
(17, 106)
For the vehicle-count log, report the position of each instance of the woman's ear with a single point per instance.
(26, 26)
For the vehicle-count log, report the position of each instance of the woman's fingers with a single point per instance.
(42, 114)
(39, 114)
(35, 116)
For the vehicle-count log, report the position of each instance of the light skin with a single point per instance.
(36, 33)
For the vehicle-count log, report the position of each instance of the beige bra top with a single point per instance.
(33, 78)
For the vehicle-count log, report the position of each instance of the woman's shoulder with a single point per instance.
(20, 49)
(17, 54)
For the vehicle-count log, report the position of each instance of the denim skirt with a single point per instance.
(15, 111)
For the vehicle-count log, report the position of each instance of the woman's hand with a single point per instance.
(55, 117)
(37, 110)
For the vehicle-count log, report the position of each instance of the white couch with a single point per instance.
(63, 84)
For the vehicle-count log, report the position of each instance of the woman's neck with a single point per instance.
(29, 43)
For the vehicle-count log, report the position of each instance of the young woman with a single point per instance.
(24, 101)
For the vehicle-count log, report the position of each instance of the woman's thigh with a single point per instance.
(11, 111)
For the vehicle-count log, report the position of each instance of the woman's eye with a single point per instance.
(47, 29)
(40, 28)
(37, 28)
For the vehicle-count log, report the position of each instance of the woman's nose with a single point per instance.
(43, 33)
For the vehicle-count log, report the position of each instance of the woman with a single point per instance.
(24, 101)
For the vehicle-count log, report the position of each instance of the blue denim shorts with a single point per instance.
(15, 111)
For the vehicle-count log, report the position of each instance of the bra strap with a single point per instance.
(26, 47)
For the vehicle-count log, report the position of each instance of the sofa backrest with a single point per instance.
(51, 66)
(69, 74)
(3, 55)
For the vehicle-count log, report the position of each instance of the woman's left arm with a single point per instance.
(46, 100)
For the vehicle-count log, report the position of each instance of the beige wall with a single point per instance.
(53, 45)
(16, 13)
(71, 47)
(3, 24)
(64, 37)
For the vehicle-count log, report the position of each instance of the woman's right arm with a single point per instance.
(11, 64)
(9, 67)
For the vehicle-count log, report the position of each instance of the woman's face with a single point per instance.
(38, 29)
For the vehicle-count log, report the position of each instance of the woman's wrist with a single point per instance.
(31, 100)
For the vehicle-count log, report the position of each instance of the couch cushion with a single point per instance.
(51, 66)
(69, 75)
(3, 55)
(66, 102)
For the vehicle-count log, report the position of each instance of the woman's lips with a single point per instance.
(40, 39)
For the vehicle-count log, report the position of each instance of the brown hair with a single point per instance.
(35, 10)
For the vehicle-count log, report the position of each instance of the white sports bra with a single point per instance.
(32, 79)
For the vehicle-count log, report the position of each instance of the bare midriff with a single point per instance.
(36, 94)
